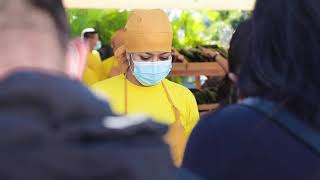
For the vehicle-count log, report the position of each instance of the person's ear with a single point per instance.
(233, 77)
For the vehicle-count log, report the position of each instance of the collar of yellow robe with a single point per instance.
(148, 31)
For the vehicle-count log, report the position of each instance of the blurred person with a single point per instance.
(54, 128)
(273, 133)
(239, 47)
(220, 85)
(76, 59)
(238, 53)
(94, 71)
(143, 87)
(112, 65)
(91, 36)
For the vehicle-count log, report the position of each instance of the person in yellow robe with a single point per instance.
(143, 87)
(94, 71)
(112, 65)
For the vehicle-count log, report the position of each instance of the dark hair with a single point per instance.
(89, 35)
(105, 52)
(239, 47)
(237, 55)
(285, 56)
(56, 10)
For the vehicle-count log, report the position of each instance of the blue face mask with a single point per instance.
(151, 73)
(98, 45)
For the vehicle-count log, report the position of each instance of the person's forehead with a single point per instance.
(94, 36)
(152, 53)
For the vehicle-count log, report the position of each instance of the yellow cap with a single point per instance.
(148, 31)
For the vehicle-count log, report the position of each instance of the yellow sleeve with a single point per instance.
(94, 70)
(97, 54)
(97, 65)
(178, 133)
(100, 70)
(192, 113)
(108, 65)
(90, 77)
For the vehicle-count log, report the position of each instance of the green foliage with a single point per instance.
(190, 27)
(193, 28)
(186, 30)
(106, 22)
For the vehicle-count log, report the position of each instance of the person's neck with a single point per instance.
(129, 76)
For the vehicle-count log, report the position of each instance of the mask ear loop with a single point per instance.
(131, 59)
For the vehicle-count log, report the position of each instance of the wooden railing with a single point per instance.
(197, 69)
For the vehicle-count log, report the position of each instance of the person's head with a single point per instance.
(34, 34)
(148, 45)
(237, 55)
(285, 51)
(239, 49)
(91, 36)
(117, 39)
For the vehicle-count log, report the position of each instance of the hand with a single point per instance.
(219, 59)
(178, 56)
(120, 54)
(208, 52)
